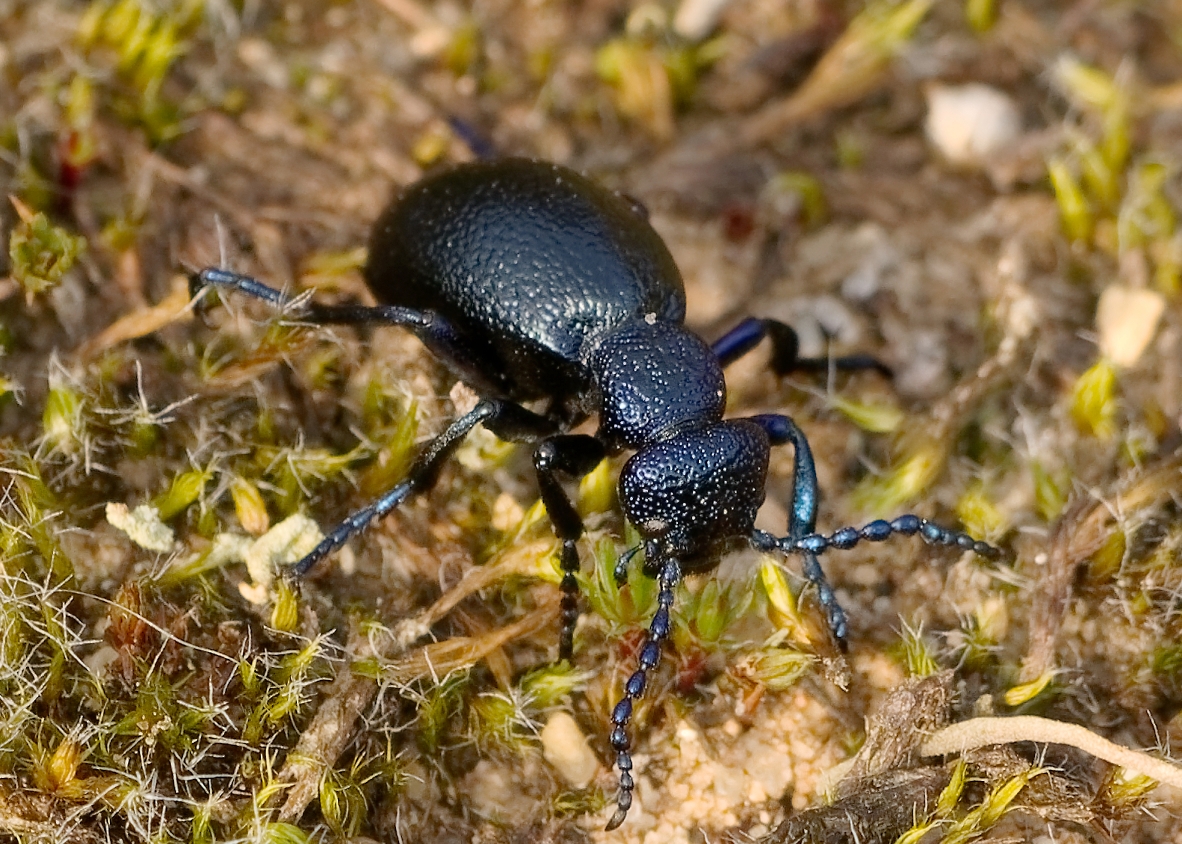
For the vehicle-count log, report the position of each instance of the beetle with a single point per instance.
(535, 284)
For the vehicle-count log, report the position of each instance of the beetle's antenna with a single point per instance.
(650, 656)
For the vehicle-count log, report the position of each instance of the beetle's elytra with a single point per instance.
(533, 283)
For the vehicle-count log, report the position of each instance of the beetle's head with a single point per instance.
(694, 495)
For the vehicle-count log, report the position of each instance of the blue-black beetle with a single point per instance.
(533, 283)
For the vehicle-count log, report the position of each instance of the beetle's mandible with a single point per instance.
(533, 283)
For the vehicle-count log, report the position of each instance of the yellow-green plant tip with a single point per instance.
(877, 418)
(783, 608)
(1088, 86)
(1166, 661)
(849, 149)
(131, 47)
(950, 797)
(1146, 215)
(1075, 213)
(40, 253)
(249, 506)
(1123, 789)
(1050, 491)
(1106, 563)
(142, 525)
(161, 49)
(978, 513)
(285, 613)
(463, 50)
(712, 613)
(917, 833)
(597, 490)
(999, 799)
(330, 801)
(61, 421)
(295, 665)
(1116, 140)
(1167, 265)
(62, 766)
(282, 833)
(916, 652)
(331, 264)
(806, 187)
(643, 91)
(977, 645)
(79, 117)
(1100, 179)
(185, 489)
(497, 722)
(681, 66)
(201, 830)
(1023, 693)
(431, 146)
(439, 703)
(779, 669)
(483, 450)
(1093, 401)
(553, 684)
(120, 21)
(610, 60)
(903, 484)
(1152, 178)
(981, 15)
(90, 24)
(600, 588)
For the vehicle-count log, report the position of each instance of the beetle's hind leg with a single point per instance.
(786, 357)
(572, 455)
(503, 418)
(419, 321)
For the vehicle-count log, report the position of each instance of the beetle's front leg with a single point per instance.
(572, 455)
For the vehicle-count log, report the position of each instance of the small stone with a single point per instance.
(565, 747)
(1126, 320)
(695, 19)
(970, 124)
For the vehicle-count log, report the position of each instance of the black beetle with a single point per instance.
(533, 283)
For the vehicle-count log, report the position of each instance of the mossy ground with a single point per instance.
(155, 690)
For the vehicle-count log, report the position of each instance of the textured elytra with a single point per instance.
(530, 262)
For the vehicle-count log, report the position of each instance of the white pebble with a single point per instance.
(1126, 320)
(565, 747)
(695, 19)
(969, 124)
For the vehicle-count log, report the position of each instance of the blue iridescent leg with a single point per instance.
(503, 418)
(802, 518)
(786, 350)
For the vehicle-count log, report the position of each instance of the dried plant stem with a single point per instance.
(982, 732)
